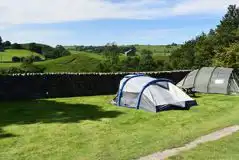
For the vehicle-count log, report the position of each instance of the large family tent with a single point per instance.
(212, 80)
(150, 94)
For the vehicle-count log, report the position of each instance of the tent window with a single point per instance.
(165, 86)
(219, 81)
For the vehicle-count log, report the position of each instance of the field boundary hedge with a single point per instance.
(57, 85)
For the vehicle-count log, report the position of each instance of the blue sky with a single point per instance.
(97, 22)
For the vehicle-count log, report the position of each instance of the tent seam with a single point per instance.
(194, 81)
(210, 79)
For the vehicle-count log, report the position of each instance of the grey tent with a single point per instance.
(150, 94)
(212, 80)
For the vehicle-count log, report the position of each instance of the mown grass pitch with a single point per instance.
(86, 128)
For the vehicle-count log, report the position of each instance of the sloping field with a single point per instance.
(9, 53)
(81, 62)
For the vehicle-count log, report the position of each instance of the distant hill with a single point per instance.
(27, 45)
(162, 50)
(7, 55)
(77, 62)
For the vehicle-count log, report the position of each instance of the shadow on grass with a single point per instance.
(5, 135)
(43, 111)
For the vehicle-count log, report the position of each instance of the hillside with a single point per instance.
(78, 61)
(7, 55)
(81, 62)
(162, 50)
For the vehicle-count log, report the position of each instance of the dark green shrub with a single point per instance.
(16, 59)
(31, 68)
(16, 46)
(37, 59)
(28, 60)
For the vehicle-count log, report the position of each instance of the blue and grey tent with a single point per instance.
(150, 94)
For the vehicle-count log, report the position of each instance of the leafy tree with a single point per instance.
(146, 61)
(16, 46)
(204, 50)
(7, 44)
(212, 49)
(27, 60)
(35, 48)
(111, 54)
(132, 51)
(60, 51)
(160, 65)
(130, 64)
(226, 30)
(229, 58)
(184, 57)
(1, 45)
(52, 53)
(48, 52)
(27, 66)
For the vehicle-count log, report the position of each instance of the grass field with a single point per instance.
(161, 50)
(224, 149)
(81, 62)
(8, 54)
(87, 128)
(77, 62)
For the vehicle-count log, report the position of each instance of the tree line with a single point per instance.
(47, 51)
(219, 47)
(142, 62)
(130, 50)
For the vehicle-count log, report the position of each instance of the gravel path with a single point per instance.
(210, 137)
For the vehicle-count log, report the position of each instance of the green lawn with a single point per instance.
(224, 149)
(87, 128)
(9, 53)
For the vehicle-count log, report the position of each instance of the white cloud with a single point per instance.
(45, 11)
(50, 11)
(202, 6)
